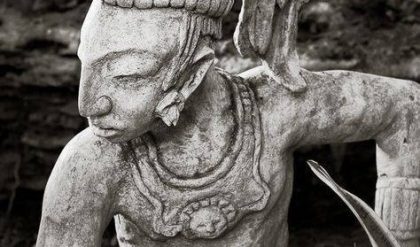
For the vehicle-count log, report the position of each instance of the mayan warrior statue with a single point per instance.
(181, 153)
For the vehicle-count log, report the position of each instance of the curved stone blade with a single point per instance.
(378, 233)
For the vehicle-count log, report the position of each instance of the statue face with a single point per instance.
(126, 55)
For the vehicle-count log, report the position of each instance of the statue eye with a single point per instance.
(130, 80)
(130, 77)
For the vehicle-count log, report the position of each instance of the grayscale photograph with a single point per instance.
(210, 123)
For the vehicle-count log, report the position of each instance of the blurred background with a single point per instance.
(39, 73)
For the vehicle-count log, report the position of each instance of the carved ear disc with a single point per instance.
(172, 104)
(169, 108)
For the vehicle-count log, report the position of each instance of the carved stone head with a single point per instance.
(141, 59)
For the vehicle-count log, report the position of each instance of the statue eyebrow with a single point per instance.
(117, 54)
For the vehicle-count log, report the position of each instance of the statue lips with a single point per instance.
(105, 132)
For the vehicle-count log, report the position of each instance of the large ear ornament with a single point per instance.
(201, 64)
(172, 104)
(170, 107)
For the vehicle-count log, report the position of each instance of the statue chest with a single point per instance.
(205, 206)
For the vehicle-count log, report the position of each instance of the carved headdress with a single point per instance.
(267, 29)
(211, 11)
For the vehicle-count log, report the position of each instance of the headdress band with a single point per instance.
(211, 8)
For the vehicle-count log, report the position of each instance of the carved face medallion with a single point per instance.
(207, 218)
(207, 221)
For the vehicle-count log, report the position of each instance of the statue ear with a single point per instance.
(172, 103)
(192, 78)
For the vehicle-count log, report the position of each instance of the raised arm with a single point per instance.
(77, 202)
(342, 106)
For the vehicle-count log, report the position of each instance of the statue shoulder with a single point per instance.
(264, 87)
(280, 109)
(90, 161)
(267, 90)
(85, 147)
(79, 196)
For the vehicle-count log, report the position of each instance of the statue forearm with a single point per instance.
(397, 203)
(398, 165)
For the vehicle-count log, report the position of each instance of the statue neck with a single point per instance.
(212, 98)
(211, 102)
(204, 129)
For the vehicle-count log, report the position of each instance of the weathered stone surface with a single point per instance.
(18, 21)
(177, 150)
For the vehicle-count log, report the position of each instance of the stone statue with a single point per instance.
(181, 153)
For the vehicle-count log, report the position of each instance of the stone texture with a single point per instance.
(318, 53)
(177, 150)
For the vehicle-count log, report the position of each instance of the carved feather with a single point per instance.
(261, 25)
(267, 29)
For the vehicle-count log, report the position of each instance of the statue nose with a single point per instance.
(101, 106)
